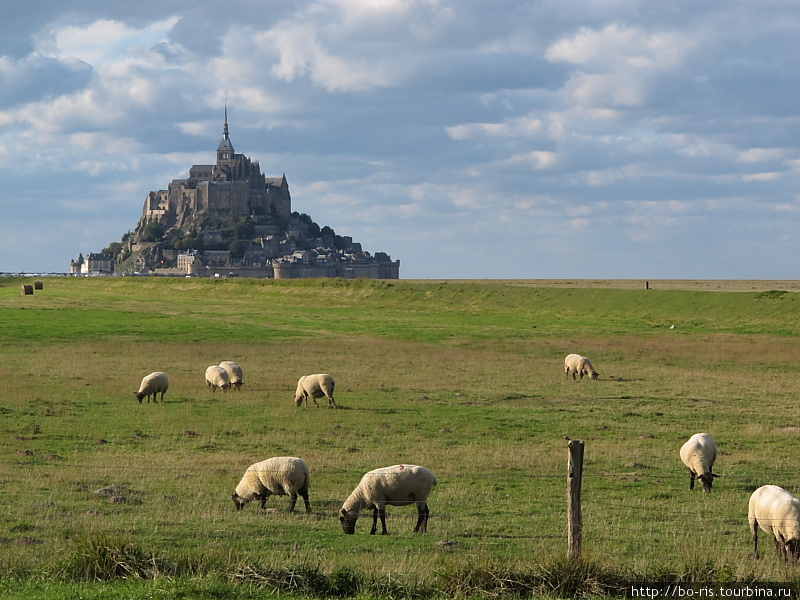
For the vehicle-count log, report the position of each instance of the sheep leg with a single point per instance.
(304, 494)
(754, 527)
(293, 502)
(783, 548)
(331, 402)
(382, 515)
(778, 547)
(162, 395)
(263, 499)
(374, 521)
(691, 479)
(422, 520)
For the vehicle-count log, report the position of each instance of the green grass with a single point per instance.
(465, 378)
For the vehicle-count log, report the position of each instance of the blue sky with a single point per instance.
(469, 139)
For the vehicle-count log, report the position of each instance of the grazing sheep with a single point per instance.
(316, 386)
(151, 385)
(217, 377)
(699, 454)
(279, 476)
(397, 486)
(575, 363)
(777, 512)
(234, 373)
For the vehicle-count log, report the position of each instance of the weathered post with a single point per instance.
(574, 515)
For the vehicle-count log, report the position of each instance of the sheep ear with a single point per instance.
(715, 475)
(342, 513)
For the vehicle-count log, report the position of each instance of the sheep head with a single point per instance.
(594, 375)
(238, 501)
(707, 479)
(348, 521)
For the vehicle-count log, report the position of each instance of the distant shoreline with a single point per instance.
(708, 285)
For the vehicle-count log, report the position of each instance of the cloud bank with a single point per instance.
(555, 138)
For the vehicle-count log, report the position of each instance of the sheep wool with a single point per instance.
(277, 476)
(575, 363)
(399, 485)
(776, 512)
(151, 385)
(317, 386)
(217, 377)
(234, 372)
(699, 454)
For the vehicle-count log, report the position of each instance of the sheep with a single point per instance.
(279, 476)
(151, 385)
(777, 512)
(699, 454)
(217, 377)
(575, 363)
(397, 486)
(234, 373)
(316, 386)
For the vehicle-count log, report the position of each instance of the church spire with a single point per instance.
(225, 148)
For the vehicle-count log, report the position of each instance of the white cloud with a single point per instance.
(615, 46)
(103, 42)
(755, 155)
(749, 177)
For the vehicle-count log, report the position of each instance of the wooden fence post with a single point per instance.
(574, 515)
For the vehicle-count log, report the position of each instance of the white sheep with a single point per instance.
(699, 454)
(399, 485)
(575, 363)
(151, 385)
(776, 512)
(234, 373)
(217, 377)
(278, 476)
(316, 386)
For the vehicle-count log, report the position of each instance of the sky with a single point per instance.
(529, 139)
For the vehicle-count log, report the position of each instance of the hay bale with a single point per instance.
(26, 289)
(38, 285)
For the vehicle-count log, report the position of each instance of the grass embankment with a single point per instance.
(103, 496)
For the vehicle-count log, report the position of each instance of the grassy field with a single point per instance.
(103, 497)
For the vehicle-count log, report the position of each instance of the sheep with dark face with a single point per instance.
(777, 512)
(317, 386)
(234, 372)
(151, 385)
(217, 377)
(277, 476)
(575, 363)
(399, 485)
(699, 454)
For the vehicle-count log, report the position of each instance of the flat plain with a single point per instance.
(105, 497)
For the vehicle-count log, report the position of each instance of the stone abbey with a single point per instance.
(230, 219)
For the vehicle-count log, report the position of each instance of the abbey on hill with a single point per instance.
(230, 219)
